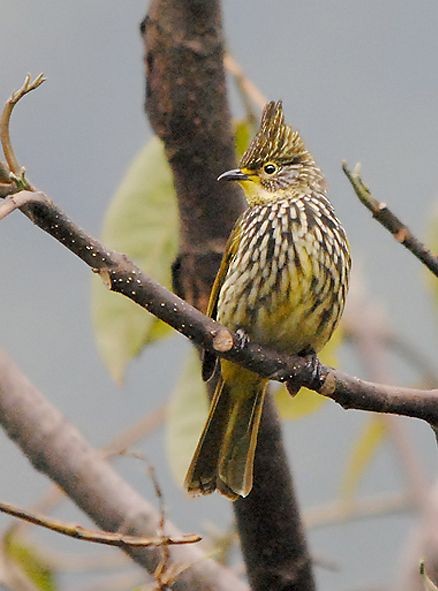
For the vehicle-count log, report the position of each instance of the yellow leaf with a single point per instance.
(363, 451)
(306, 401)
(142, 222)
(186, 414)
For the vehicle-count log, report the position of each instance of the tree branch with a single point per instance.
(187, 106)
(58, 450)
(390, 221)
(122, 275)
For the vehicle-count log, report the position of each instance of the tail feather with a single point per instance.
(237, 454)
(224, 456)
(202, 473)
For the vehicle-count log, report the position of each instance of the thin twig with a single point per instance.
(162, 570)
(5, 138)
(339, 511)
(248, 90)
(99, 537)
(165, 573)
(390, 221)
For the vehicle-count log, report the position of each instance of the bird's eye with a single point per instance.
(270, 168)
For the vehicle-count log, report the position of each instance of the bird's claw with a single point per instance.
(313, 365)
(242, 339)
(314, 381)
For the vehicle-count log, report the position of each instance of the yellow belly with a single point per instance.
(287, 281)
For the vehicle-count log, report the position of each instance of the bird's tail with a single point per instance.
(224, 456)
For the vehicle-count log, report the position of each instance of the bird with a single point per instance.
(282, 284)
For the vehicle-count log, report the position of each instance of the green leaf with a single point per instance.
(31, 563)
(186, 414)
(427, 583)
(307, 401)
(142, 222)
(363, 451)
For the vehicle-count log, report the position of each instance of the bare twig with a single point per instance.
(165, 573)
(5, 138)
(99, 537)
(390, 221)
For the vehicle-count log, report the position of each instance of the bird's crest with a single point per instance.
(275, 140)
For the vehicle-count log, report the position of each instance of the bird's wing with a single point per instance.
(209, 360)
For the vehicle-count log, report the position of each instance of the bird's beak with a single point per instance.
(233, 175)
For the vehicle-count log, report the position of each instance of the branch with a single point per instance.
(122, 275)
(390, 221)
(58, 450)
(78, 532)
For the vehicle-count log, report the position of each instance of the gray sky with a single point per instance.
(360, 82)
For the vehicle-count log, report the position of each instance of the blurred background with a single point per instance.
(360, 82)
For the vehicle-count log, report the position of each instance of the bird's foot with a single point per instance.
(312, 367)
(242, 339)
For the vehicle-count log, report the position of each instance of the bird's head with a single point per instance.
(276, 164)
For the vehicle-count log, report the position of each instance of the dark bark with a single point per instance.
(187, 106)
